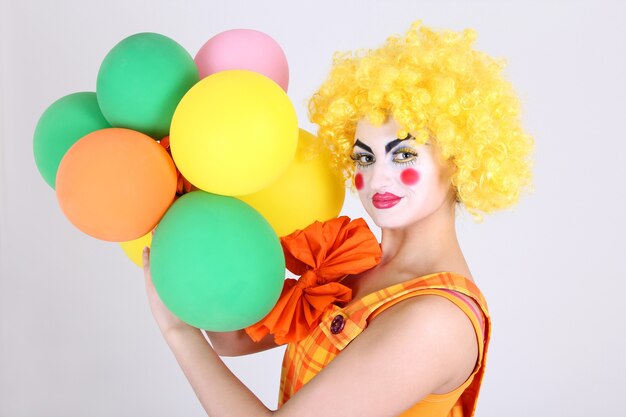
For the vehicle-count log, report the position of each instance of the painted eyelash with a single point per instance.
(411, 161)
(356, 157)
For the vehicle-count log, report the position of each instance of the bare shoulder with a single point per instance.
(434, 324)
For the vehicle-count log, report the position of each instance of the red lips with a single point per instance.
(385, 201)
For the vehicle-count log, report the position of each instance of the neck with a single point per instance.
(424, 247)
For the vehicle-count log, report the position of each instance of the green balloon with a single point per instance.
(216, 262)
(141, 81)
(62, 124)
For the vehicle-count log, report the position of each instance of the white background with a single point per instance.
(76, 335)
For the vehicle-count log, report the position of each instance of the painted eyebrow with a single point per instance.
(393, 143)
(388, 147)
(362, 145)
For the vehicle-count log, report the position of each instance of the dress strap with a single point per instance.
(361, 310)
(357, 315)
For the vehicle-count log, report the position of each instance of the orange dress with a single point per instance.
(318, 329)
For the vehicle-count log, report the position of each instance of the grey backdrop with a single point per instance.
(76, 335)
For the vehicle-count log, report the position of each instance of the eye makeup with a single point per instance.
(405, 156)
(362, 160)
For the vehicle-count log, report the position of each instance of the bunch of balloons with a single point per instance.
(201, 159)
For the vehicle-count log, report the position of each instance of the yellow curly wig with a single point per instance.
(436, 87)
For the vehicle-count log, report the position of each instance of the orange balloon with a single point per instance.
(116, 184)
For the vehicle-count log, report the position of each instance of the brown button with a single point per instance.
(336, 326)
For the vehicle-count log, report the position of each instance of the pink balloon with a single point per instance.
(244, 49)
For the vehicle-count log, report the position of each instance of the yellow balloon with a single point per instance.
(134, 248)
(306, 192)
(234, 133)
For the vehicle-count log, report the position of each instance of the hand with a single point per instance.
(163, 316)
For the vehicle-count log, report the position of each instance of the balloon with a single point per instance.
(60, 126)
(216, 263)
(134, 248)
(244, 49)
(234, 133)
(306, 192)
(115, 184)
(142, 79)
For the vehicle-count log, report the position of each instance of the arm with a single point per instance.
(420, 346)
(238, 343)
(219, 391)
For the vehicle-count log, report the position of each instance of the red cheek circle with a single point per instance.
(358, 181)
(410, 176)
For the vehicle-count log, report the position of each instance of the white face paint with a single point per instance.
(399, 181)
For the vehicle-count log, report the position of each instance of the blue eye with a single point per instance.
(362, 159)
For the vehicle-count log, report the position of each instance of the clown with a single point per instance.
(419, 127)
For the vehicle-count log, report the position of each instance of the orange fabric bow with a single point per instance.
(182, 185)
(322, 254)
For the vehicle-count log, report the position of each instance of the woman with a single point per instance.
(418, 125)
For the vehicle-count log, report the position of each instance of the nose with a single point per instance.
(380, 177)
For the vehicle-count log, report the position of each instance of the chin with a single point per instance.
(392, 223)
(389, 219)
(399, 219)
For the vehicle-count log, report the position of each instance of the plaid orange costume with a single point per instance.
(317, 329)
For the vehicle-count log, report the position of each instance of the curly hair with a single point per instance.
(437, 88)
